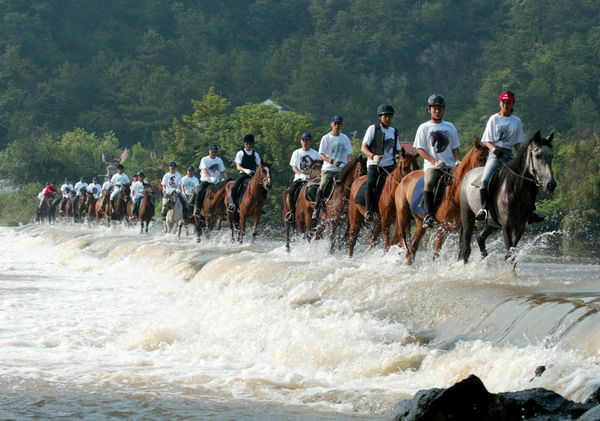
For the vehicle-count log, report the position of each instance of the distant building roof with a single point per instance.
(283, 108)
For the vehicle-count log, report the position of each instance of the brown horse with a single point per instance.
(213, 208)
(302, 217)
(65, 207)
(80, 206)
(121, 202)
(252, 202)
(335, 210)
(103, 208)
(91, 201)
(146, 211)
(447, 215)
(47, 209)
(387, 207)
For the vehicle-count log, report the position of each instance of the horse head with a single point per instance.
(539, 161)
(263, 175)
(475, 158)
(406, 163)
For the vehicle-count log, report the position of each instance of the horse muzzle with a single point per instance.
(550, 187)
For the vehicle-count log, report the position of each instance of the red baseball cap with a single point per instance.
(507, 95)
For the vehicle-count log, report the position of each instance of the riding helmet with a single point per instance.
(385, 109)
(141, 174)
(436, 99)
(249, 138)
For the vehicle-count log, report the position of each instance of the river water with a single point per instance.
(105, 323)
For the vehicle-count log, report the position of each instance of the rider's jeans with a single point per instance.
(492, 163)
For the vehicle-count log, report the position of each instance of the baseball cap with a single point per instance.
(306, 135)
(507, 95)
(172, 164)
(336, 118)
(213, 148)
(191, 168)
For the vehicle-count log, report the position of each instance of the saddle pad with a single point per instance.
(359, 199)
(477, 181)
(416, 201)
(311, 192)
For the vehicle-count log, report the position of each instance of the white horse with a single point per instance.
(174, 216)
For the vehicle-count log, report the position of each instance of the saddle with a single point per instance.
(417, 206)
(360, 198)
(311, 190)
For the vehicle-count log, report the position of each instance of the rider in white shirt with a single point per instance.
(190, 183)
(118, 181)
(95, 188)
(171, 182)
(66, 190)
(80, 188)
(137, 192)
(212, 170)
(301, 162)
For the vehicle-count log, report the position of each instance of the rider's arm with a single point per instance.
(205, 172)
(456, 153)
(364, 148)
(296, 170)
(325, 158)
(425, 155)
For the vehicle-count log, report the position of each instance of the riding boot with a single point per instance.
(429, 220)
(482, 214)
(318, 204)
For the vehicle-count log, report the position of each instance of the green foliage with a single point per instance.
(18, 207)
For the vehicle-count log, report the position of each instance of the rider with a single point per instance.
(95, 188)
(301, 162)
(118, 181)
(107, 187)
(80, 187)
(66, 190)
(380, 145)
(47, 192)
(246, 162)
(335, 150)
(171, 182)
(503, 131)
(136, 177)
(212, 170)
(437, 143)
(190, 183)
(137, 192)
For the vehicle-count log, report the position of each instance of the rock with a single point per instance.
(591, 415)
(470, 400)
(594, 397)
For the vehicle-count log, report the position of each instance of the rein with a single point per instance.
(533, 180)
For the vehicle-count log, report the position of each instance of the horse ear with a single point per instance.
(403, 152)
(549, 138)
(476, 142)
(537, 137)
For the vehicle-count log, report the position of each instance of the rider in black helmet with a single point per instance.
(437, 143)
(380, 145)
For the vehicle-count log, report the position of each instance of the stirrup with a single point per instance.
(197, 212)
(481, 215)
(315, 214)
(429, 221)
(231, 207)
(369, 217)
(289, 217)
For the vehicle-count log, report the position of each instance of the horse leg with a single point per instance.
(481, 237)
(377, 228)
(355, 220)
(256, 219)
(414, 246)
(241, 229)
(440, 236)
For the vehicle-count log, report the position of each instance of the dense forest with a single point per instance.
(166, 78)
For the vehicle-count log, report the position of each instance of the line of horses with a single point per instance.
(509, 202)
(343, 213)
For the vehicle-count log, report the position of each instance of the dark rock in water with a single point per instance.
(591, 415)
(594, 397)
(470, 400)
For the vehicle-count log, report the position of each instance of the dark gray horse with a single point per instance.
(510, 201)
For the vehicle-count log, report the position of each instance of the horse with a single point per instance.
(146, 211)
(47, 210)
(213, 208)
(335, 210)
(302, 217)
(65, 207)
(103, 208)
(174, 216)
(121, 202)
(80, 206)
(447, 215)
(251, 203)
(387, 209)
(91, 213)
(510, 201)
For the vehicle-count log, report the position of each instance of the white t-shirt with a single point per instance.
(189, 184)
(79, 186)
(337, 148)
(388, 145)
(96, 192)
(171, 182)
(66, 189)
(119, 179)
(137, 188)
(303, 160)
(214, 167)
(107, 186)
(504, 132)
(239, 156)
(439, 140)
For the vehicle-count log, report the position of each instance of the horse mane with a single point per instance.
(461, 170)
(520, 160)
(349, 168)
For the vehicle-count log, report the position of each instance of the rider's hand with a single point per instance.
(247, 171)
(213, 179)
(304, 177)
(337, 163)
(439, 164)
(376, 158)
